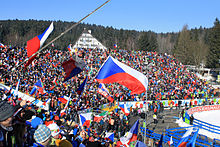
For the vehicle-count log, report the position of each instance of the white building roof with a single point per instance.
(86, 40)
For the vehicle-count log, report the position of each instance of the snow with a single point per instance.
(212, 117)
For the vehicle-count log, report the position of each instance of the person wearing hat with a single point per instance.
(64, 143)
(55, 132)
(6, 117)
(42, 136)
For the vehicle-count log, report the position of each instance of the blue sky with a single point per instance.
(142, 15)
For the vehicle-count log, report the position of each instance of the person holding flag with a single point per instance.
(70, 49)
(131, 136)
(184, 141)
(104, 92)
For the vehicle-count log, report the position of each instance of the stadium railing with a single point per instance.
(207, 126)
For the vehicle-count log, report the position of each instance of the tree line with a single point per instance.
(192, 47)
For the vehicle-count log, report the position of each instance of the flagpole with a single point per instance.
(146, 104)
(67, 30)
(145, 127)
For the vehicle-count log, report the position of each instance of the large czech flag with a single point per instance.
(85, 119)
(114, 71)
(36, 43)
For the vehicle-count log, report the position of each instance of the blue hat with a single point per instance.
(36, 121)
(42, 133)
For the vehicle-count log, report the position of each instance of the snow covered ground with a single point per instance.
(212, 117)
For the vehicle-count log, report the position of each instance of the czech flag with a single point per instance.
(69, 48)
(114, 71)
(185, 138)
(72, 67)
(124, 109)
(104, 91)
(17, 87)
(47, 102)
(98, 118)
(2, 45)
(85, 119)
(109, 136)
(192, 142)
(40, 86)
(36, 43)
(64, 99)
(63, 112)
(130, 136)
(115, 46)
(82, 86)
(170, 141)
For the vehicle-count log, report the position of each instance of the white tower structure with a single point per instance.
(86, 40)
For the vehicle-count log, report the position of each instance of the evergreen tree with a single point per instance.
(214, 43)
(147, 41)
(183, 47)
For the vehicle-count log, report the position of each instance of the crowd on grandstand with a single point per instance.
(34, 126)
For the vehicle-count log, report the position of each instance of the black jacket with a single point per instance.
(6, 137)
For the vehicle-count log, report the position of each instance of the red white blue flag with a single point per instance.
(64, 99)
(85, 119)
(104, 91)
(82, 86)
(72, 67)
(124, 109)
(114, 71)
(36, 43)
(185, 138)
(69, 48)
(130, 136)
(2, 45)
(40, 86)
(109, 136)
(170, 142)
(192, 142)
(17, 87)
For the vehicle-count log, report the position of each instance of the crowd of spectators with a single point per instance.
(168, 80)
